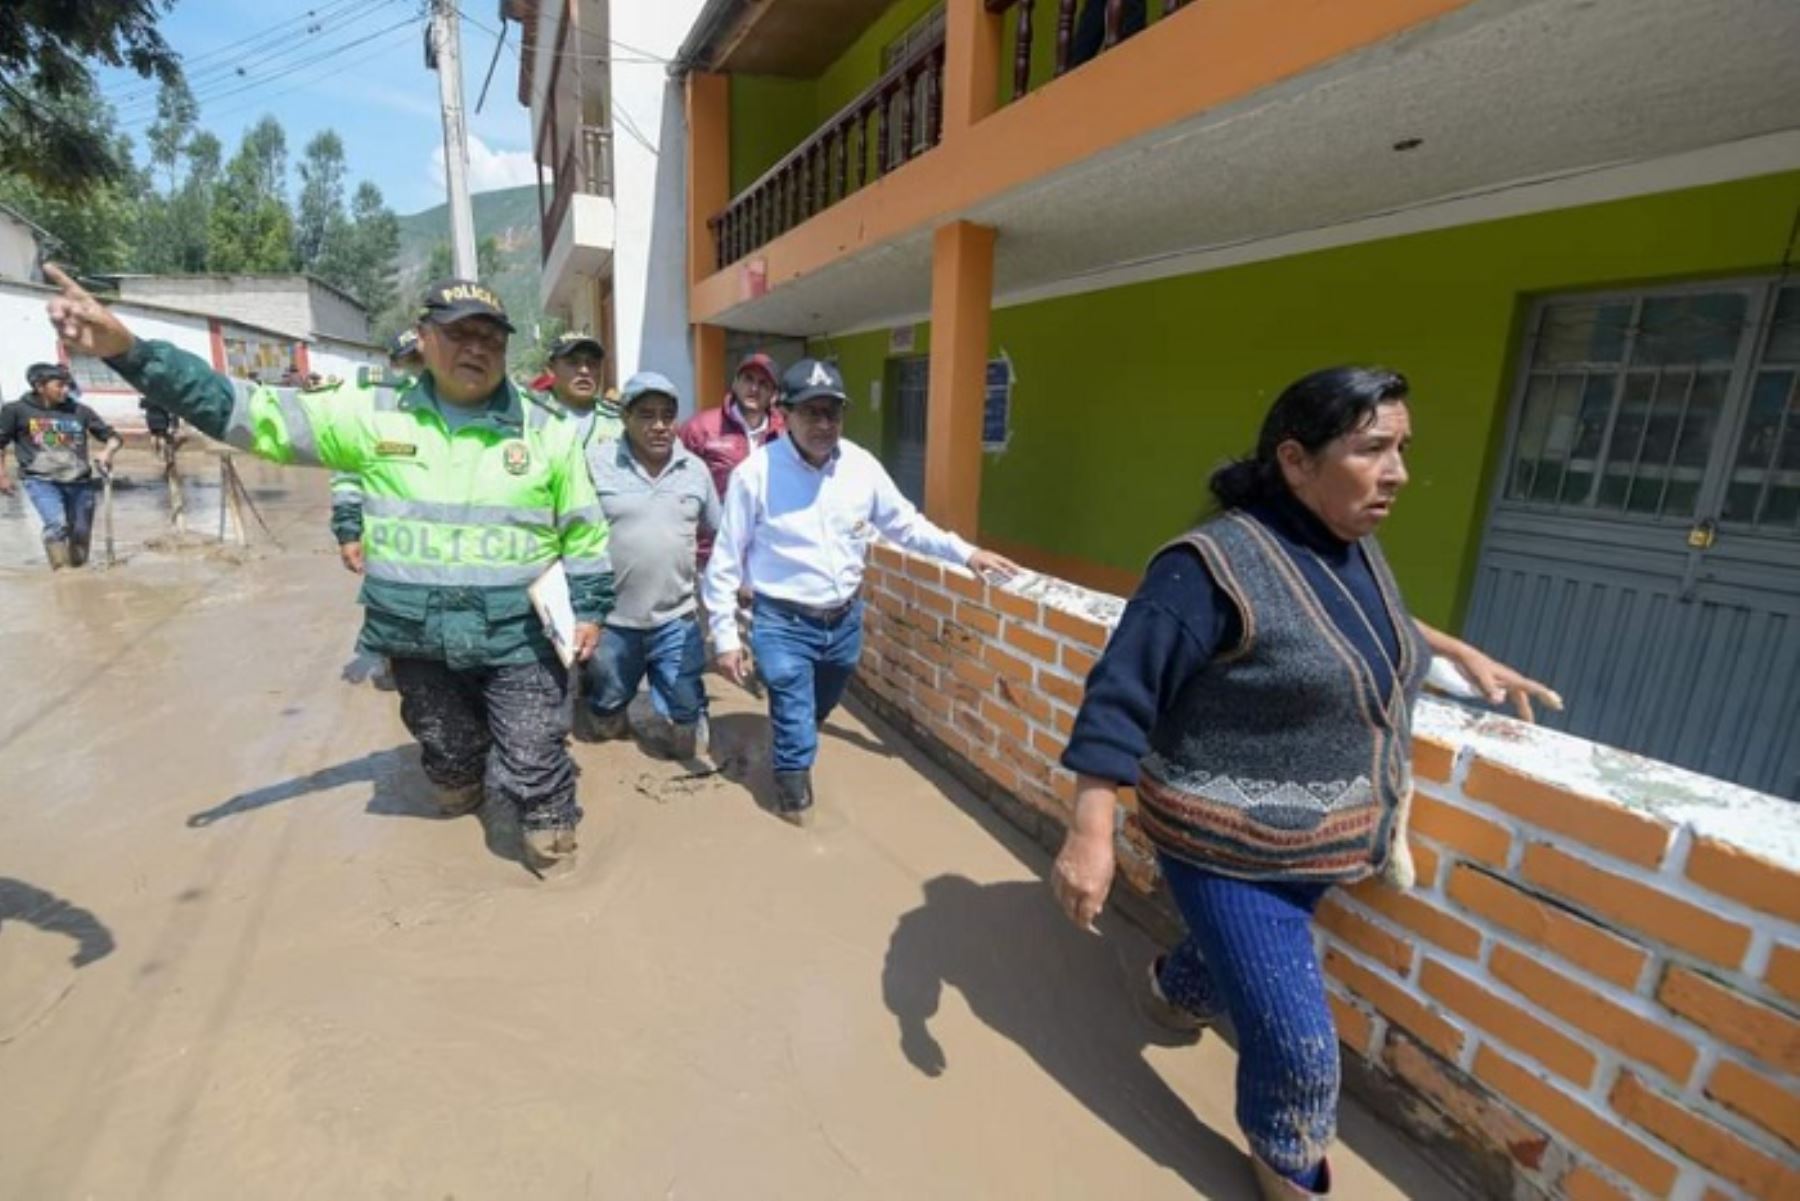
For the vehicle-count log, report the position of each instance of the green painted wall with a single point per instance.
(769, 117)
(1126, 399)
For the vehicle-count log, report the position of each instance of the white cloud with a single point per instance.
(489, 169)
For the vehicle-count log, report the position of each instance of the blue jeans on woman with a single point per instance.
(67, 510)
(673, 655)
(806, 662)
(1249, 957)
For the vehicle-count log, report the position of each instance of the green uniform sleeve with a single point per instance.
(326, 428)
(582, 529)
(346, 507)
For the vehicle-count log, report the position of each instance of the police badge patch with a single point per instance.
(517, 457)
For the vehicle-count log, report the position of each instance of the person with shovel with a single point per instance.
(50, 433)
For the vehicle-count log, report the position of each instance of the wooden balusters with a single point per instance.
(1065, 33)
(862, 146)
(906, 119)
(1115, 13)
(1022, 50)
(937, 96)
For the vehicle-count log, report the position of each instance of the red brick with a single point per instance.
(1765, 1033)
(887, 558)
(1433, 760)
(1703, 1141)
(977, 731)
(1575, 1122)
(1026, 700)
(1637, 906)
(935, 601)
(1581, 1183)
(1047, 745)
(982, 621)
(1023, 756)
(1062, 721)
(1389, 950)
(1783, 974)
(1089, 633)
(975, 675)
(1605, 825)
(962, 640)
(1008, 723)
(924, 570)
(903, 588)
(1476, 837)
(1354, 1026)
(1031, 642)
(1511, 1024)
(1006, 663)
(967, 586)
(995, 769)
(1014, 605)
(1065, 690)
(933, 704)
(1587, 946)
(1420, 916)
(1772, 1105)
(1077, 662)
(1646, 1041)
(1486, 1117)
(1744, 877)
(1435, 1031)
(1425, 861)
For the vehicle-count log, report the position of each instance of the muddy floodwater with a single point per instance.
(240, 958)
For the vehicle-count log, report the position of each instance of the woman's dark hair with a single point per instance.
(1312, 411)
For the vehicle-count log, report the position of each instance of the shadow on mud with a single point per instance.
(22, 902)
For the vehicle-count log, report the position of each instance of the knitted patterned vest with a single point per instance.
(1280, 760)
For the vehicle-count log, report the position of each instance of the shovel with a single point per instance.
(106, 523)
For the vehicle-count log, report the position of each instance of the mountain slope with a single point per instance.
(511, 216)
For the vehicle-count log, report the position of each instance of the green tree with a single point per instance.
(168, 135)
(95, 227)
(365, 262)
(250, 228)
(438, 264)
(190, 209)
(44, 48)
(320, 222)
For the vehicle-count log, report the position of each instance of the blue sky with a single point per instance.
(375, 90)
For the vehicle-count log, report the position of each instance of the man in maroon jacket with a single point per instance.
(725, 436)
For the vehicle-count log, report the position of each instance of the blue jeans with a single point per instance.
(672, 654)
(806, 664)
(67, 510)
(1249, 957)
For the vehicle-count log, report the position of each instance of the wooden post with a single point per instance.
(971, 72)
(962, 288)
(708, 169)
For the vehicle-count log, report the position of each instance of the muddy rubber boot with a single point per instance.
(456, 802)
(600, 727)
(547, 846)
(57, 551)
(1273, 1186)
(683, 742)
(794, 797)
(78, 553)
(1174, 1018)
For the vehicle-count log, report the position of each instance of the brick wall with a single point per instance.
(1592, 993)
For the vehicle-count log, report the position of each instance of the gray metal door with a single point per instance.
(1642, 553)
(907, 460)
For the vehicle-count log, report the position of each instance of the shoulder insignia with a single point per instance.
(322, 383)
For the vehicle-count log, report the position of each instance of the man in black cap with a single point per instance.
(50, 432)
(577, 363)
(472, 491)
(799, 519)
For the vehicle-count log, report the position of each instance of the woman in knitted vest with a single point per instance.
(1258, 692)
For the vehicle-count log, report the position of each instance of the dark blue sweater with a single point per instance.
(1179, 619)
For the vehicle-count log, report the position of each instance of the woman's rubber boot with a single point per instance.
(1273, 1186)
(57, 551)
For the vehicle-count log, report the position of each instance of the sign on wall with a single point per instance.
(902, 339)
(996, 412)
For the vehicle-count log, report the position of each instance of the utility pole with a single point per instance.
(446, 56)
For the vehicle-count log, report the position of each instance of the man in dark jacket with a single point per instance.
(49, 433)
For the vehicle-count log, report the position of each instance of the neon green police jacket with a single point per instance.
(456, 524)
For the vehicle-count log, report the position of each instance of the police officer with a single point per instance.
(472, 489)
(576, 361)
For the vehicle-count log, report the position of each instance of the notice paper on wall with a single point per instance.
(549, 595)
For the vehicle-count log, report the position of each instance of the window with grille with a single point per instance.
(1634, 406)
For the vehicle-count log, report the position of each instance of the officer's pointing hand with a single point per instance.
(587, 640)
(83, 323)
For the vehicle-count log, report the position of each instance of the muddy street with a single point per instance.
(239, 956)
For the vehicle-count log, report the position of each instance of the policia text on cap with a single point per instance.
(472, 489)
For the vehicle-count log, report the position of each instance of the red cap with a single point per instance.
(761, 362)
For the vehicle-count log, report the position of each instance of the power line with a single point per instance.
(259, 69)
(193, 72)
(638, 57)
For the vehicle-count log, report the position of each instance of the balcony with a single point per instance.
(895, 120)
(577, 233)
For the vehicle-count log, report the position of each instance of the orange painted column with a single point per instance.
(971, 64)
(709, 366)
(708, 192)
(962, 292)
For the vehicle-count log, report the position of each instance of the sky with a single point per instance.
(354, 66)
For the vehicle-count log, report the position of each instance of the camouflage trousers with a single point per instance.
(504, 727)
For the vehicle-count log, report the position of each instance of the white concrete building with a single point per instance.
(231, 344)
(299, 305)
(23, 246)
(609, 135)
